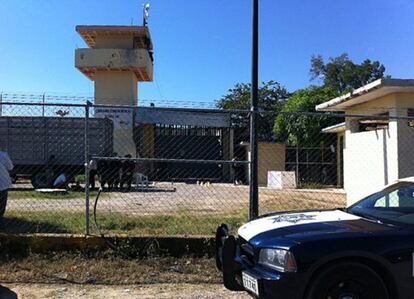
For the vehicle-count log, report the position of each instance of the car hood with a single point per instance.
(298, 227)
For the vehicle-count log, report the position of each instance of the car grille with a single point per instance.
(246, 252)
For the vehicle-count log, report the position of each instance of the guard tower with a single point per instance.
(117, 59)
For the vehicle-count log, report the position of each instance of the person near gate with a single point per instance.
(93, 171)
(6, 166)
(128, 167)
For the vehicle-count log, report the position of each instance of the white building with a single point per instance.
(377, 137)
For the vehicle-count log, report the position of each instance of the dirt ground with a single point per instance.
(76, 275)
(167, 198)
(58, 291)
(107, 268)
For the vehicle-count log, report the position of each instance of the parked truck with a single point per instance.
(42, 148)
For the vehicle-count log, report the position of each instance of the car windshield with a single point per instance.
(393, 205)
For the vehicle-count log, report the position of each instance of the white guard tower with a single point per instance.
(118, 58)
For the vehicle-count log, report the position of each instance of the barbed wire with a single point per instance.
(45, 97)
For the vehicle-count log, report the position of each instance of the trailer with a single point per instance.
(42, 148)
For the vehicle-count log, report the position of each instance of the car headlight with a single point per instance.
(278, 259)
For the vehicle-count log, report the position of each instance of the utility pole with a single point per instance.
(254, 188)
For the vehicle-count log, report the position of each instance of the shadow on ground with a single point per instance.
(13, 225)
(18, 189)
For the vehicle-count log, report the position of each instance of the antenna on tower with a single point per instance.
(146, 14)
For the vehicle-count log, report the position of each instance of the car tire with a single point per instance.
(348, 280)
(39, 180)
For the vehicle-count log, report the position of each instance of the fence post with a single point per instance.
(253, 180)
(297, 164)
(87, 191)
(43, 106)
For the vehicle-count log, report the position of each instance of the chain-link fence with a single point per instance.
(183, 171)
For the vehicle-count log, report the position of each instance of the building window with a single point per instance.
(372, 124)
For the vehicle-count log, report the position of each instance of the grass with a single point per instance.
(312, 185)
(32, 194)
(300, 204)
(106, 268)
(181, 224)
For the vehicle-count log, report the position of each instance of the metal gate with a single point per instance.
(188, 143)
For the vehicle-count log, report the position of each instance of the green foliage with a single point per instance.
(304, 130)
(339, 75)
(311, 185)
(80, 179)
(120, 223)
(342, 74)
(272, 97)
(32, 194)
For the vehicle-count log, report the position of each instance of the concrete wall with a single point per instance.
(137, 60)
(116, 88)
(124, 143)
(369, 162)
(376, 158)
(227, 142)
(405, 136)
(376, 106)
(271, 156)
(340, 146)
(121, 42)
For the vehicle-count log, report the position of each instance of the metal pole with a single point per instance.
(1, 106)
(43, 106)
(254, 189)
(87, 162)
(297, 165)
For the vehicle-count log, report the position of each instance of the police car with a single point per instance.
(361, 252)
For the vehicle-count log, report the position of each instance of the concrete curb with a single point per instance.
(133, 246)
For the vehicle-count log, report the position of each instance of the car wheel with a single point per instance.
(348, 280)
(39, 180)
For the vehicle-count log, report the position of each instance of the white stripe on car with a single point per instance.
(261, 225)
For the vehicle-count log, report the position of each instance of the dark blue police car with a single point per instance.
(362, 252)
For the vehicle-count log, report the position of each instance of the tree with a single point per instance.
(304, 130)
(342, 74)
(272, 96)
(339, 75)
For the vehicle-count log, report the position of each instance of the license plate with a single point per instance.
(250, 283)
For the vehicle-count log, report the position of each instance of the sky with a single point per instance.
(203, 47)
